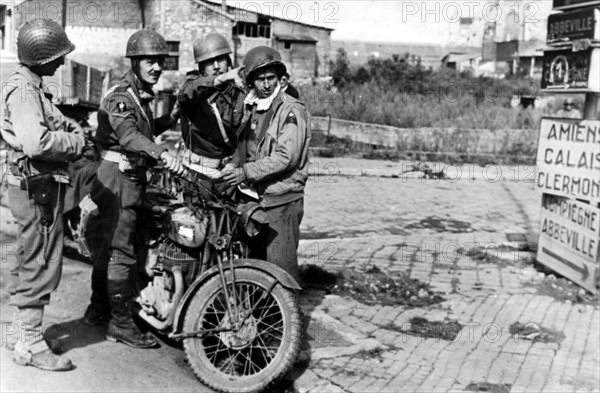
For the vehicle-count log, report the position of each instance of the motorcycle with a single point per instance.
(238, 317)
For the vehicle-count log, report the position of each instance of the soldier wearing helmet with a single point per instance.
(41, 146)
(273, 156)
(126, 131)
(212, 103)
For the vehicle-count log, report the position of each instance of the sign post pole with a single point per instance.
(568, 158)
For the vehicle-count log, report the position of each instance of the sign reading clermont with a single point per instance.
(569, 158)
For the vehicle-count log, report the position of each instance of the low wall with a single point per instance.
(434, 140)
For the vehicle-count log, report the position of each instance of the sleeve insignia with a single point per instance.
(121, 107)
(291, 119)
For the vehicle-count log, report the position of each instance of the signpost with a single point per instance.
(574, 25)
(571, 71)
(569, 237)
(569, 150)
(569, 158)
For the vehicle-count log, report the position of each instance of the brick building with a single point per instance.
(100, 30)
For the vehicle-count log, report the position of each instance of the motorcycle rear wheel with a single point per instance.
(258, 354)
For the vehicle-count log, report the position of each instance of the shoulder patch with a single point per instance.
(291, 119)
(121, 107)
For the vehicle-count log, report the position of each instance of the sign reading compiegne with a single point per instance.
(569, 158)
(569, 237)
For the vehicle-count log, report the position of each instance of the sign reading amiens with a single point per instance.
(569, 158)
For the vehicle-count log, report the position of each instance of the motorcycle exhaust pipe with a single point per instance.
(163, 325)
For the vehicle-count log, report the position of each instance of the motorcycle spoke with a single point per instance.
(270, 306)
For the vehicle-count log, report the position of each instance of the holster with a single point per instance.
(40, 189)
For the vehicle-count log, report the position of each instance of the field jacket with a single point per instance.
(126, 123)
(199, 125)
(279, 166)
(35, 129)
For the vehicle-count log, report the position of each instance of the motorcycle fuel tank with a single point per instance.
(185, 228)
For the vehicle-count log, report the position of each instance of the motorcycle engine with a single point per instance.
(156, 298)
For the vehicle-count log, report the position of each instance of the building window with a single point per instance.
(254, 30)
(287, 45)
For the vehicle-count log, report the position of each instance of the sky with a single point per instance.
(405, 21)
(372, 20)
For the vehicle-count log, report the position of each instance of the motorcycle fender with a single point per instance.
(275, 271)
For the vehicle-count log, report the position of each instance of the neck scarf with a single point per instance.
(262, 104)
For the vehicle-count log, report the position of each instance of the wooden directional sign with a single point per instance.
(574, 25)
(568, 158)
(569, 238)
(570, 4)
(572, 72)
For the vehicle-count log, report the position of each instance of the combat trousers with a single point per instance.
(118, 197)
(37, 268)
(278, 243)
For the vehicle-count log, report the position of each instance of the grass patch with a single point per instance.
(489, 387)
(372, 286)
(535, 333)
(447, 330)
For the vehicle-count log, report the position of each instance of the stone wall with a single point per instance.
(434, 140)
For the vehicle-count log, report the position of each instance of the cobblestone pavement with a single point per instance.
(449, 233)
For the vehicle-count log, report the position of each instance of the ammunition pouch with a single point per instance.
(39, 188)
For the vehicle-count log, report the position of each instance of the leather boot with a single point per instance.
(121, 327)
(98, 312)
(32, 349)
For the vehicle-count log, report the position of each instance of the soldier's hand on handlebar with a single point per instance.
(233, 176)
(172, 163)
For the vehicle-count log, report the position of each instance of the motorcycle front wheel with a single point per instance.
(256, 353)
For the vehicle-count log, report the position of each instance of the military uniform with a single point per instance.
(41, 146)
(200, 126)
(273, 153)
(126, 128)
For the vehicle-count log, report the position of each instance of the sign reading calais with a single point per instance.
(569, 158)
(569, 237)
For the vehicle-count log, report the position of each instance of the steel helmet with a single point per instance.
(210, 46)
(146, 42)
(260, 57)
(42, 40)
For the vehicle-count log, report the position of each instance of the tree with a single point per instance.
(341, 68)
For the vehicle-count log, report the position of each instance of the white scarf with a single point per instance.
(262, 104)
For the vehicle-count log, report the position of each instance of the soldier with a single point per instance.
(273, 156)
(41, 147)
(569, 111)
(126, 129)
(212, 104)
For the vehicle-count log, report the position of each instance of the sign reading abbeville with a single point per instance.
(566, 70)
(569, 237)
(568, 158)
(575, 25)
(569, 4)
